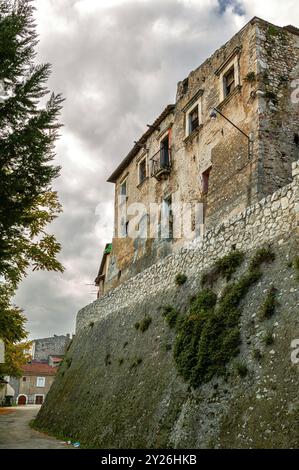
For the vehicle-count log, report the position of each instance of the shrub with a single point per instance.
(250, 77)
(171, 315)
(204, 301)
(267, 308)
(270, 95)
(262, 255)
(272, 31)
(145, 323)
(180, 279)
(208, 336)
(224, 267)
(120, 361)
(91, 324)
(241, 368)
(268, 338)
(137, 325)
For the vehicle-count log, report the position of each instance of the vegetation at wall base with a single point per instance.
(208, 333)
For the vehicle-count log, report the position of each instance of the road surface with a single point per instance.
(15, 432)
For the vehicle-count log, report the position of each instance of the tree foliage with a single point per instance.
(29, 127)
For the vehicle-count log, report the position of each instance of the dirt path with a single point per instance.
(15, 432)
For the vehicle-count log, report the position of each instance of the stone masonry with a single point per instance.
(264, 60)
(273, 219)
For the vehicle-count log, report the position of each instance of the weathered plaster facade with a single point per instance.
(214, 163)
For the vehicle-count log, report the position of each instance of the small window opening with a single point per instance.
(296, 139)
(142, 171)
(229, 81)
(123, 188)
(205, 180)
(168, 216)
(193, 120)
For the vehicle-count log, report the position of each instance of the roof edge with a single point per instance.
(125, 162)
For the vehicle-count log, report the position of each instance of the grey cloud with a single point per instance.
(117, 68)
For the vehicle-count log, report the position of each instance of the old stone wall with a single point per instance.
(266, 61)
(214, 143)
(119, 387)
(277, 67)
(271, 219)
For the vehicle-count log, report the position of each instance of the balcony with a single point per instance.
(161, 163)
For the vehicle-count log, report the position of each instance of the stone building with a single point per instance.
(227, 142)
(38, 375)
(55, 345)
(35, 383)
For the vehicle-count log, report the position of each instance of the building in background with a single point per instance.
(55, 345)
(35, 383)
(38, 374)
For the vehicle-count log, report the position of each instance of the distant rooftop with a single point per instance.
(38, 368)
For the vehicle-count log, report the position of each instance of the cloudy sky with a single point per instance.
(117, 63)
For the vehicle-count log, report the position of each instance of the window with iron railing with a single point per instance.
(161, 161)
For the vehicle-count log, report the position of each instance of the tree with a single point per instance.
(28, 130)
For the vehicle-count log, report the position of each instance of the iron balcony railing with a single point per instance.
(161, 162)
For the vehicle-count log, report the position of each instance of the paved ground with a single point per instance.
(15, 432)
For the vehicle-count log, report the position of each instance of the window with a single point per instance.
(142, 171)
(24, 379)
(229, 81)
(123, 189)
(193, 119)
(167, 219)
(205, 180)
(40, 381)
(229, 75)
(164, 152)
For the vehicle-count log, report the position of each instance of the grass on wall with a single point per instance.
(224, 267)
